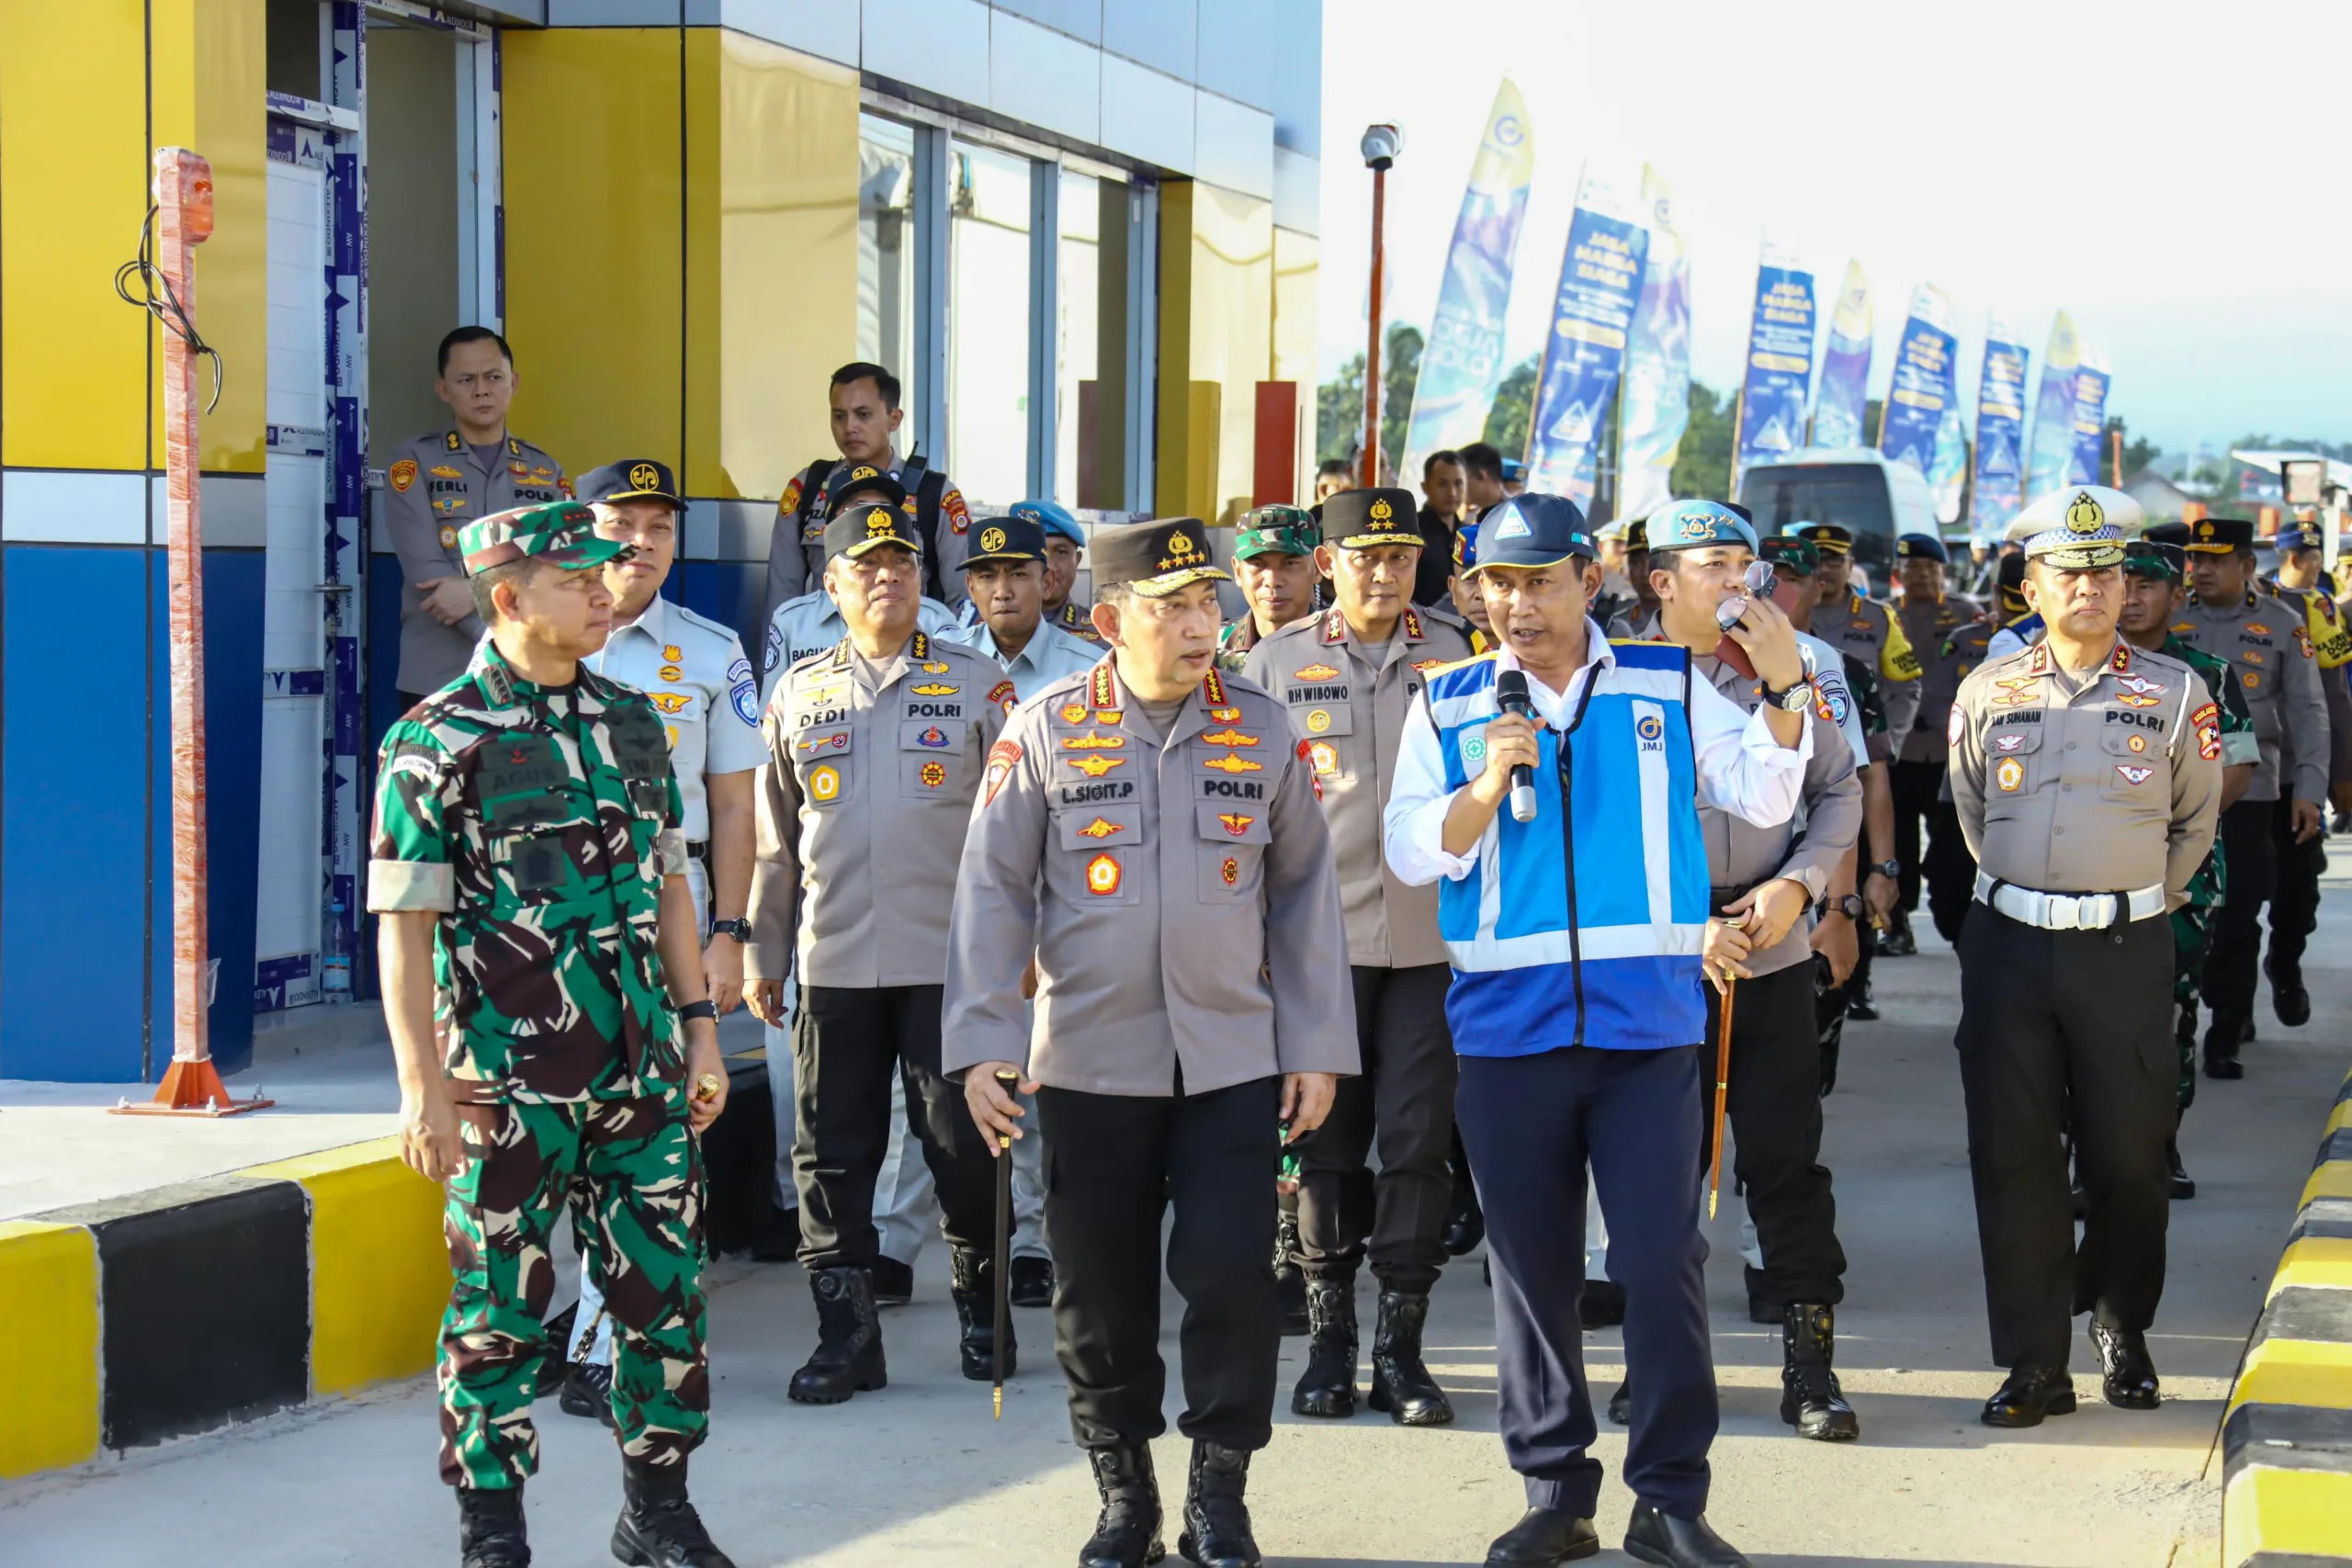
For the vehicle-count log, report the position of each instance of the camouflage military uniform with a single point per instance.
(2192, 923)
(540, 822)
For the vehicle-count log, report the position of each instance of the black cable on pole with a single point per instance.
(155, 296)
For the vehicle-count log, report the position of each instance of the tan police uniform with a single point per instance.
(871, 771)
(1866, 629)
(1175, 882)
(2088, 799)
(1928, 624)
(2267, 645)
(433, 488)
(1350, 700)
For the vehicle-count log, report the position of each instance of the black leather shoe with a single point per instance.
(779, 1241)
(894, 1283)
(1401, 1385)
(1216, 1516)
(1601, 1305)
(1652, 1537)
(1327, 1389)
(2221, 1042)
(658, 1528)
(2029, 1395)
(2182, 1185)
(1541, 1538)
(588, 1391)
(972, 1286)
(1466, 1227)
(1896, 941)
(2129, 1380)
(490, 1529)
(1290, 1279)
(1032, 1282)
(2078, 1197)
(1811, 1400)
(1861, 1010)
(1620, 1406)
(848, 1357)
(1127, 1532)
(1762, 1307)
(2289, 999)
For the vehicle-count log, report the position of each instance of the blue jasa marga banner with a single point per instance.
(1779, 382)
(1922, 388)
(2090, 419)
(1846, 366)
(1601, 276)
(1656, 397)
(2051, 454)
(1463, 363)
(1997, 493)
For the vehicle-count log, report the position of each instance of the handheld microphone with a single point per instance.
(1510, 691)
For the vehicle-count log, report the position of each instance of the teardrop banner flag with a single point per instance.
(1846, 366)
(1997, 492)
(1922, 387)
(1779, 380)
(1592, 317)
(2091, 379)
(1656, 399)
(2051, 454)
(1463, 362)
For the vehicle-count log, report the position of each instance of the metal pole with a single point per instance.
(1371, 475)
(183, 193)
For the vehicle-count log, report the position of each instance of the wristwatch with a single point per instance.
(1793, 700)
(740, 929)
(1891, 870)
(1849, 905)
(703, 1008)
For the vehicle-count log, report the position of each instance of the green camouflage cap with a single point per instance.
(1276, 531)
(1797, 555)
(562, 532)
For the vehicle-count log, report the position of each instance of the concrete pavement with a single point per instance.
(918, 1474)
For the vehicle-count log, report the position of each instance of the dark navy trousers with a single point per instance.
(1531, 1123)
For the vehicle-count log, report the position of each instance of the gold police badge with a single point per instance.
(645, 475)
(2085, 516)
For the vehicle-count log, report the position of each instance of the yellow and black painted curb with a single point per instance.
(192, 1306)
(2287, 1439)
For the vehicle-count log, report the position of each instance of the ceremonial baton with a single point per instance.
(1010, 1083)
(1722, 1094)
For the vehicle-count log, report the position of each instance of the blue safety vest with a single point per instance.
(1584, 926)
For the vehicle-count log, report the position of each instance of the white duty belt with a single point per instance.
(2069, 911)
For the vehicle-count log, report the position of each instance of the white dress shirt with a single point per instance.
(1049, 655)
(1741, 768)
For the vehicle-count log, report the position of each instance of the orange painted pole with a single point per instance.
(1371, 474)
(2115, 456)
(183, 193)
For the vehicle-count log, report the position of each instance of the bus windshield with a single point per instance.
(1853, 495)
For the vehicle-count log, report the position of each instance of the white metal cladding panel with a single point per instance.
(1079, 18)
(1235, 54)
(1233, 145)
(48, 506)
(1163, 34)
(1044, 77)
(1147, 115)
(298, 253)
(1299, 191)
(939, 44)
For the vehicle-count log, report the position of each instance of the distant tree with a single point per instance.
(1873, 414)
(1338, 412)
(1514, 403)
(1702, 463)
(2137, 453)
(1339, 403)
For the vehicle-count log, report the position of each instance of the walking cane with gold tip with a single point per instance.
(1722, 1095)
(1010, 1083)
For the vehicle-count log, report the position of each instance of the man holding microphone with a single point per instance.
(1574, 923)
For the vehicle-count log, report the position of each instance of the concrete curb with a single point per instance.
(2287, 1439)
(192, 1306)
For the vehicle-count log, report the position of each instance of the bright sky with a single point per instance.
(2024, 155)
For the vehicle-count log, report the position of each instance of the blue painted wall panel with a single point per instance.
(73, 817)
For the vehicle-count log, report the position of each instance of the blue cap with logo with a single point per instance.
(1921, 547)
(1051, 517)
(2286, 541)
(1533, 530)
(1697, 526)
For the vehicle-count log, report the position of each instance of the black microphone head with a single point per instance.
(1511, 689)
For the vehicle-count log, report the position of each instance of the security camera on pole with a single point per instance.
(1381, 144)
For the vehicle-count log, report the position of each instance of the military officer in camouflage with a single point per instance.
(539, 939)
(2268, 646)
(2155, 579)
(1273, 565)
(442, 481)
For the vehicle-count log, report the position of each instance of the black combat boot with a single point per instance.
(972, 1284)
(1328, 1387)
(1290, 1279)
(2222, 1041)
(1896, 941)
(1811, 1400)
(658, 1528)
(588, 1391)
(490, 1529)
(1401, 1385)
(1216, 1517)
(848, 1357)
(2289, 999)
(1620, 1403)
(1127, 1532)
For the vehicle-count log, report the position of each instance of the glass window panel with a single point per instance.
(885, 250)
(1078, 340)
(988, 324)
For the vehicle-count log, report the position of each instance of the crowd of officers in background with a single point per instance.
(818, 823)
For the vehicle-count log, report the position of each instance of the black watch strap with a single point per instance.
(740, 929)
(703, 1008)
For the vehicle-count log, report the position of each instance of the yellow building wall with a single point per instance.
(594, 215)
(74, 174)
(1297, 282)
(1217, 342)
